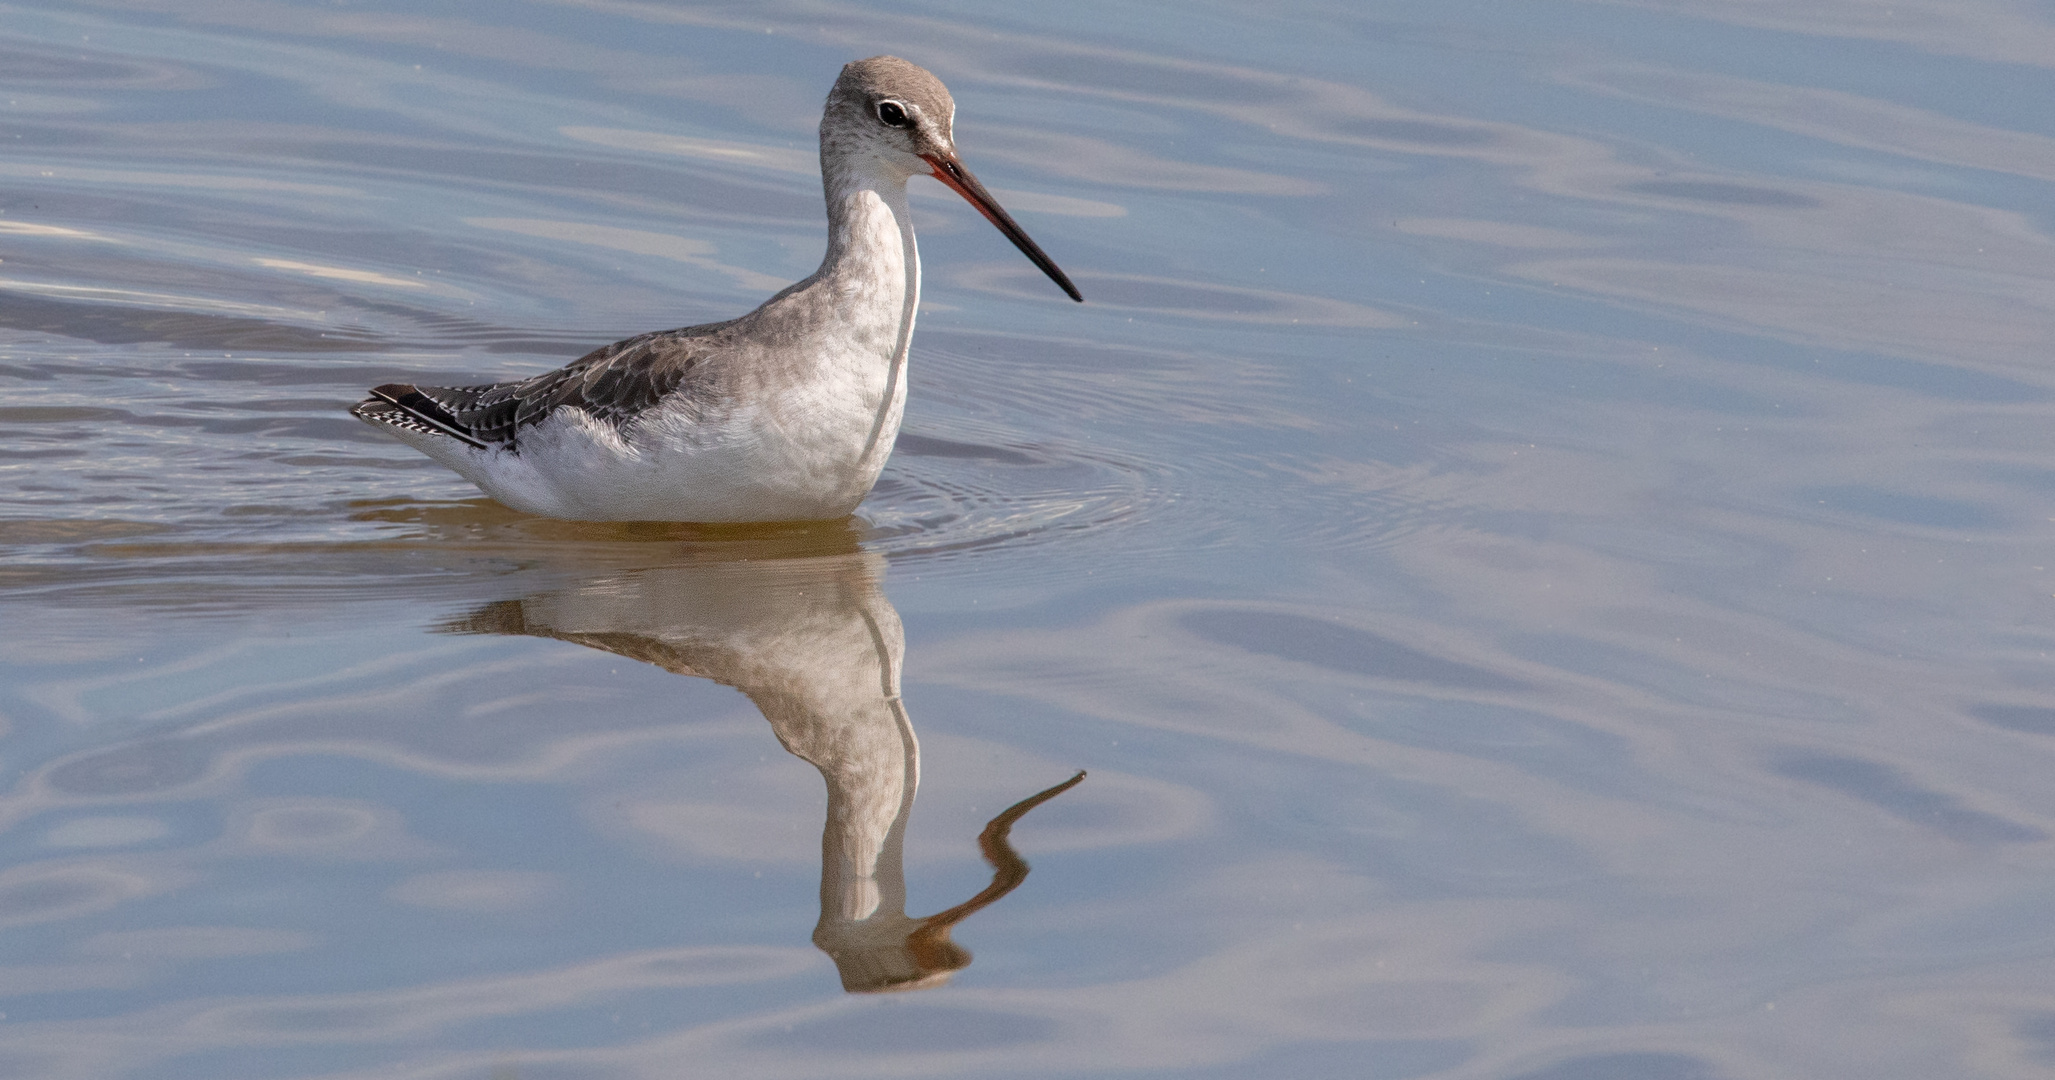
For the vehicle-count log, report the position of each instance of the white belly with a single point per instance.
(805, 455)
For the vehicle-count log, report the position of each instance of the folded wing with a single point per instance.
(614, 385)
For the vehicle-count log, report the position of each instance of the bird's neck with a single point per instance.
(871, 276)
(872, 264)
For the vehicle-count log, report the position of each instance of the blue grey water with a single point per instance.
(1540, 538)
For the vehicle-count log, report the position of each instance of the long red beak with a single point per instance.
(951, 172)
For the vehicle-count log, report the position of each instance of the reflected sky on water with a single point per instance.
(1540, 538)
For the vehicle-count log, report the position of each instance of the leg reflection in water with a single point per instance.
(815, 645)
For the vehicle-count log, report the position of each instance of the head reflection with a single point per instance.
(815, 645)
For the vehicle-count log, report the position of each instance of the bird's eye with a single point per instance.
(893, 114)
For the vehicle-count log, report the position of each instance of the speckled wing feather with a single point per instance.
(614, 385)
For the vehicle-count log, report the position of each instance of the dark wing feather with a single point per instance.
(615, 385)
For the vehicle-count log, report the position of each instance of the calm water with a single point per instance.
(1540, 539)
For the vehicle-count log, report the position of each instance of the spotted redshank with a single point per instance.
(785, 414)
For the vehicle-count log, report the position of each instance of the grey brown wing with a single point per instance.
(615, 385)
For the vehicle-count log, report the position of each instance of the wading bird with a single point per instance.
(785, 414)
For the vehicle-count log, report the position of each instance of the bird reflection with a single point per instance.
(815, 645)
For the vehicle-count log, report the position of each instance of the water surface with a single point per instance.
(1539, 539)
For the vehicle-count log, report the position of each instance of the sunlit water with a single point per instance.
(1539, 538)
